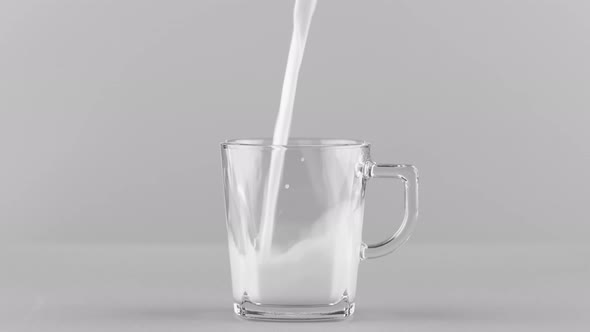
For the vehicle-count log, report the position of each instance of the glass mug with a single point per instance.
(294, 218)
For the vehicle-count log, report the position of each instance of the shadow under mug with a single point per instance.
(294, 219)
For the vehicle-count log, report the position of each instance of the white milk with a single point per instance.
(301, 21)
(320, 268)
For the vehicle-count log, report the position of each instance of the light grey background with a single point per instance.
(111, 112)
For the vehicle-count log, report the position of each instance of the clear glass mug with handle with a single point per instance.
(294, 219)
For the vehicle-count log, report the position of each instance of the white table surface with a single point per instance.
(187, 288)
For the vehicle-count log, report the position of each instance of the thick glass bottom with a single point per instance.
(248, 310)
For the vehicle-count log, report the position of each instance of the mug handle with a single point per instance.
(409, 175)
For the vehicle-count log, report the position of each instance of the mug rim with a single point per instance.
(296, 142)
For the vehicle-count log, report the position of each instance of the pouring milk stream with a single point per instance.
(302, 15)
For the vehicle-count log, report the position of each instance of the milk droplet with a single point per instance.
(302, 159)
(287, 186)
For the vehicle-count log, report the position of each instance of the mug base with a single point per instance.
(253, 311)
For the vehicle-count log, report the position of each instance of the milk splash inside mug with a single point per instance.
(309, 272)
